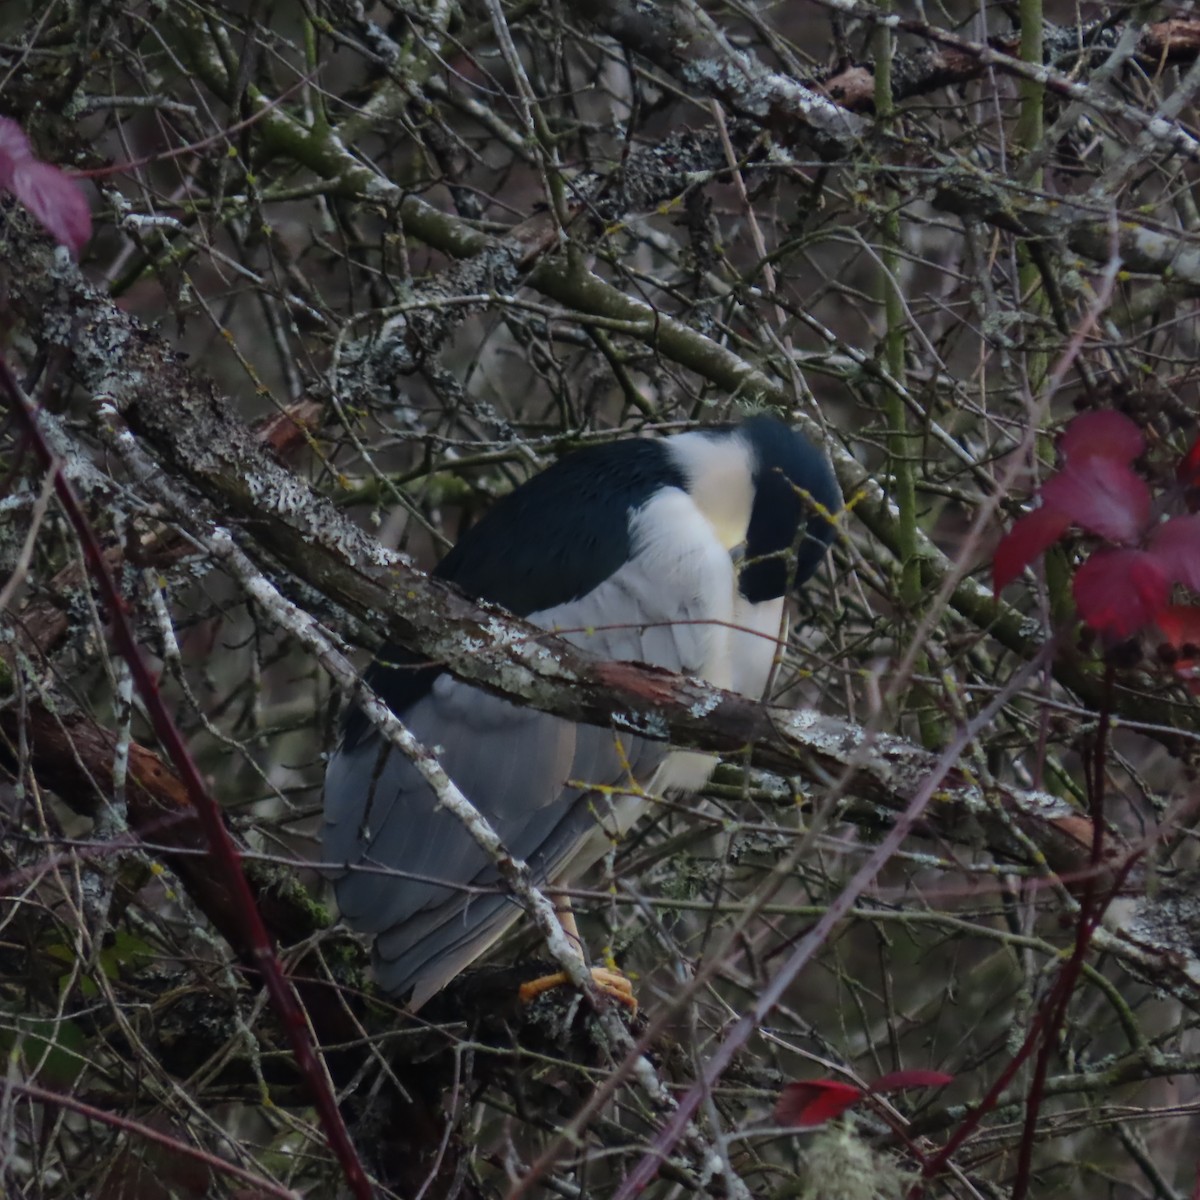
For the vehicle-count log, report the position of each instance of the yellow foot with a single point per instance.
(612, 983)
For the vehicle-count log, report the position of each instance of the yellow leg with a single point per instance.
(612, 983)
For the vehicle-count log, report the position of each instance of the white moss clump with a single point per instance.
(839, 1166)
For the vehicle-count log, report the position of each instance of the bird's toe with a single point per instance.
(608, 982)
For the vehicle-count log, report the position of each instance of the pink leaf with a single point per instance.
(805, 1105)
(1103, 496)
(1176, 545)
(1119, 591)
(1105, 434)
(14, 148)
(896, 1081)
(56, 200)
(1029, 537)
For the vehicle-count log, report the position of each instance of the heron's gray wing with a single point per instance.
(669, 605)
(380, 814)
(428, 948)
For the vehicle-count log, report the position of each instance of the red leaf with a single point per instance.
(14, 149)
(55, 199)
(1176, 545)
(1180, 625)
(1107, 434)
(1188, 471)
(1029, 537)
(896, 1081)
(1103, 496)
(805, 1105)
(1119, 591)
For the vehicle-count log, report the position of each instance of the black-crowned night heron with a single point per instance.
(678, 552)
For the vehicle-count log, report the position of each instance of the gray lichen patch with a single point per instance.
(1167, 923)
(839, 1165)
(852, 744)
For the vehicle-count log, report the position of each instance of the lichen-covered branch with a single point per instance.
(360, 270)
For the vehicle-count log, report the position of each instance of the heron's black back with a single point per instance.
(551, 540)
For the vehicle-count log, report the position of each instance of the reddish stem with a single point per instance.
(1090, 914)
(1053, 1011)
(224, 851)
(214, 1163)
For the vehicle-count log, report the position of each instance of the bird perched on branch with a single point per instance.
(678, 552)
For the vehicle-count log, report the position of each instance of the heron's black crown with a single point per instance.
(794, 490)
